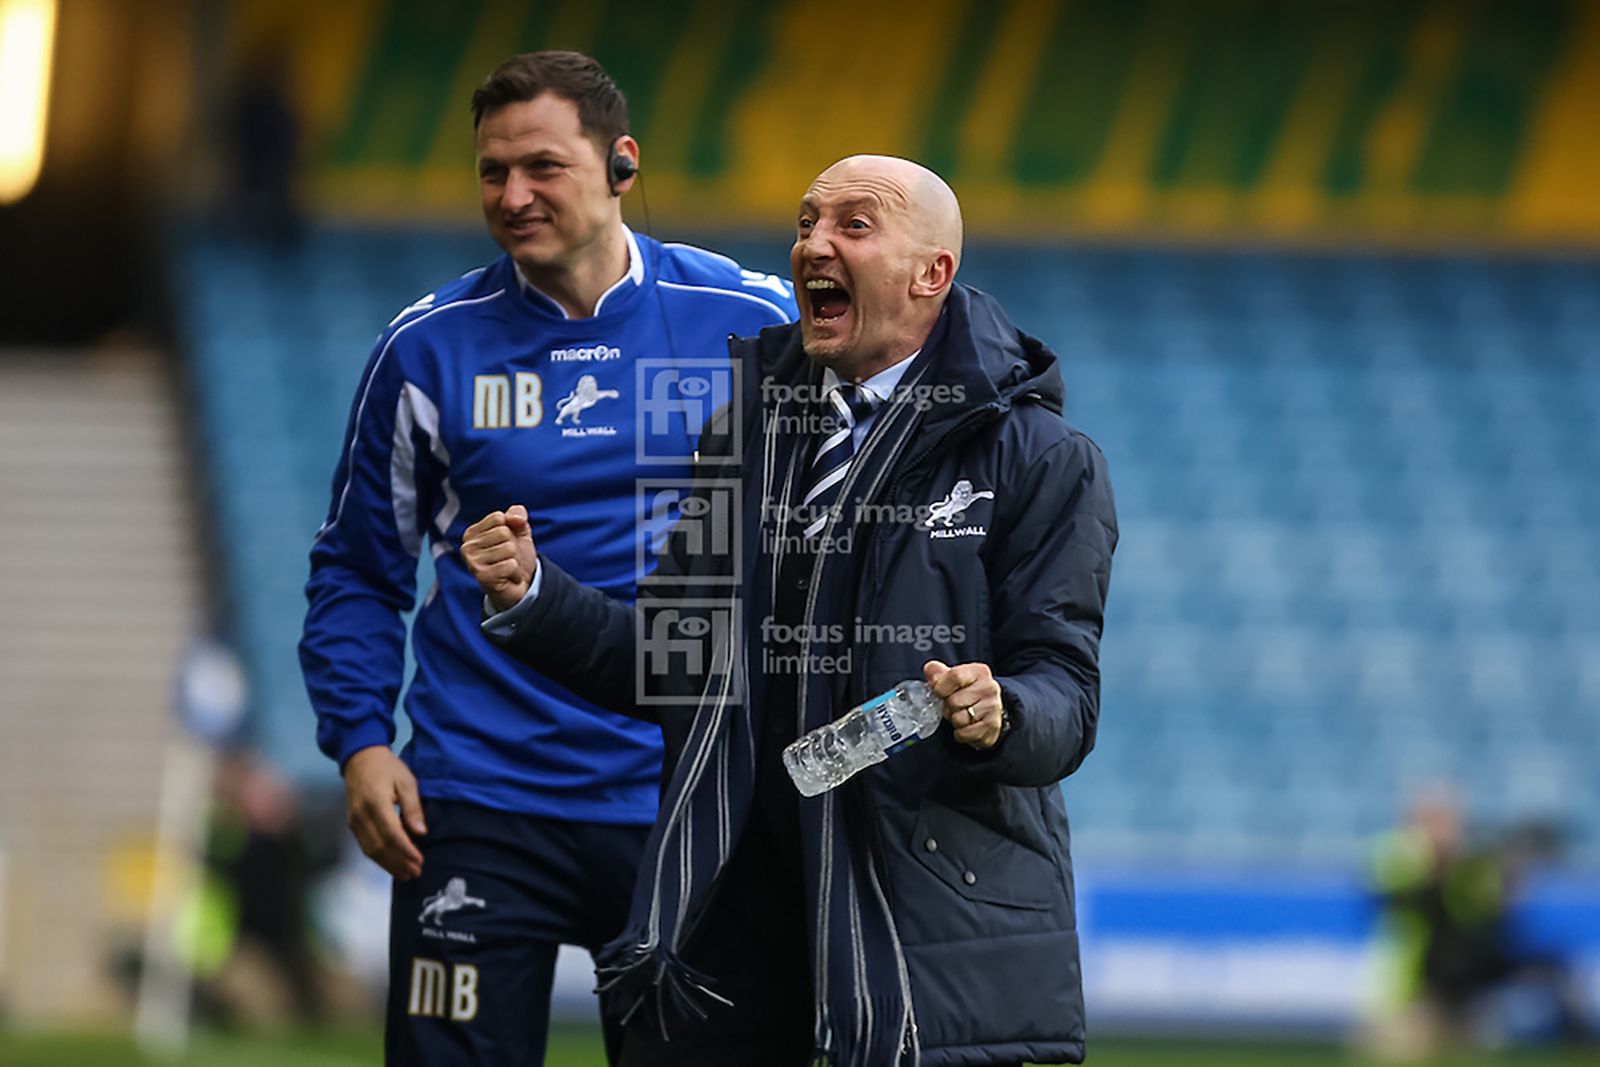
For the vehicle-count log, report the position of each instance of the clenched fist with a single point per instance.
(498, 551)
(972, 701)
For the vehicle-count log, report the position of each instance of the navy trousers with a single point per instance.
(473, 941)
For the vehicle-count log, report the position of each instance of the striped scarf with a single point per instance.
(864, 1015)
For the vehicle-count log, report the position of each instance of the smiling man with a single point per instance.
(941, 512)
(522, 809)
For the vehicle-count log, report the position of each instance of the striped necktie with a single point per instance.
(848, 405)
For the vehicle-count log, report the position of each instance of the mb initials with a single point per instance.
(443, 993)
(497, 404)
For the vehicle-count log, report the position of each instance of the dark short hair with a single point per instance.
(602, 109)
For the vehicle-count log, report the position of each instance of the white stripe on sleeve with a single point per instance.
(415, 410)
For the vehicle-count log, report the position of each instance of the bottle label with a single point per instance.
(906, 742)
(878, 708)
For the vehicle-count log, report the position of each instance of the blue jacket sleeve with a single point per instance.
(363, 568)
(1048, 589)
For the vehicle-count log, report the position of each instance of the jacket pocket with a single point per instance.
(980, 864)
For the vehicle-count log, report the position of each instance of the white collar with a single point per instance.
(880, 385)
(635, 275)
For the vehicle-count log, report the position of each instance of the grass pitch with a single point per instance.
(579, 1046)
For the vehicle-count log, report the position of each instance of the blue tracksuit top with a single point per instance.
(476, 397)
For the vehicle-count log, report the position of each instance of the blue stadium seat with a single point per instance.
(1360, 519)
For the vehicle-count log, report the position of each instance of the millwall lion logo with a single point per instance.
(453, 897)
(585, 395)
(952, 508)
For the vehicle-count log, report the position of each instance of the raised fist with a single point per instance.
(498, 551)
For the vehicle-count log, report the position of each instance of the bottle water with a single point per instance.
(869, 733)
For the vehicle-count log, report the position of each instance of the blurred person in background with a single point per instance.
(1448, 931)
(244, 929)
(262, 139)
(262, 856)
(522, 809)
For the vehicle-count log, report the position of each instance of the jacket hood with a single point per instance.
(999, 364)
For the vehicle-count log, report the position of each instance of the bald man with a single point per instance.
(892, 494)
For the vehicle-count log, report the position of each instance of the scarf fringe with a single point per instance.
(658, 981)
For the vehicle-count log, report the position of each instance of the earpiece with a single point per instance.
(619, 168)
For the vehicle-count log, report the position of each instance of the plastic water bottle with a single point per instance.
(869, 733)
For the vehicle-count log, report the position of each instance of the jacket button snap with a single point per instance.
(970, 878)
(931, 845)
(802, 583)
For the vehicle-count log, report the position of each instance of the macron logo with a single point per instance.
(595, 354)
